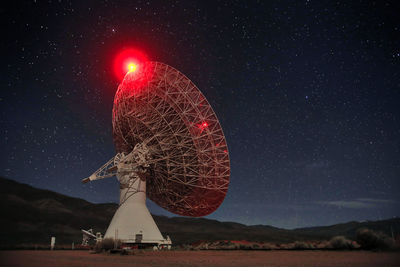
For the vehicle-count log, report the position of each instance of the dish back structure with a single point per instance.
(161, 107)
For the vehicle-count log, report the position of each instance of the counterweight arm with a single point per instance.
(107, 170)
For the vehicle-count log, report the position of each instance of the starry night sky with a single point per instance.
(307, 93)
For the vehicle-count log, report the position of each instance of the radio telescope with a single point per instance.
(170, 146)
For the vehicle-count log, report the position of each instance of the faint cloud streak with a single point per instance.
(359, 203)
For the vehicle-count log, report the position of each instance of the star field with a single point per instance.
(307, 94)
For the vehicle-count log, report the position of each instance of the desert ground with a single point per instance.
(201, 258)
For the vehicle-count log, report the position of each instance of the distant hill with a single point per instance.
(32, 216)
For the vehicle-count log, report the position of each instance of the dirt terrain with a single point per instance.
(201, 258)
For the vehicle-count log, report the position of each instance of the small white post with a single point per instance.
(52, 242)
(115, 239)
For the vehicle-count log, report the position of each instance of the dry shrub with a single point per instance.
(302, 245)
(245, 247)
(187, 247)
(231, 247)
(369, 239)
(286, 246)
(269, 246)
(323, 244)
(340, 242)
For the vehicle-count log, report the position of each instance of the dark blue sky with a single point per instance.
(307, 93)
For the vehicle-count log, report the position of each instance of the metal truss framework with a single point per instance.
(161, 108)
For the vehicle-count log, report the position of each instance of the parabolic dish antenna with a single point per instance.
(169, 140)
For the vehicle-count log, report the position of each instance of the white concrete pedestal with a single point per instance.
(132, 222)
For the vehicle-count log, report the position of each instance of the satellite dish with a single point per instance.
(170, 146)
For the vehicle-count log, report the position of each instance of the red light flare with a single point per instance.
(202, 126)
(128, 60)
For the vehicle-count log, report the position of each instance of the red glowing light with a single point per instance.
(128, 60)
(132, 67)
(202, 126)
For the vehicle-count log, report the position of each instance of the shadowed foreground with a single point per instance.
(201, 258)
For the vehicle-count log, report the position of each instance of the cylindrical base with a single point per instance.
(132, 222)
